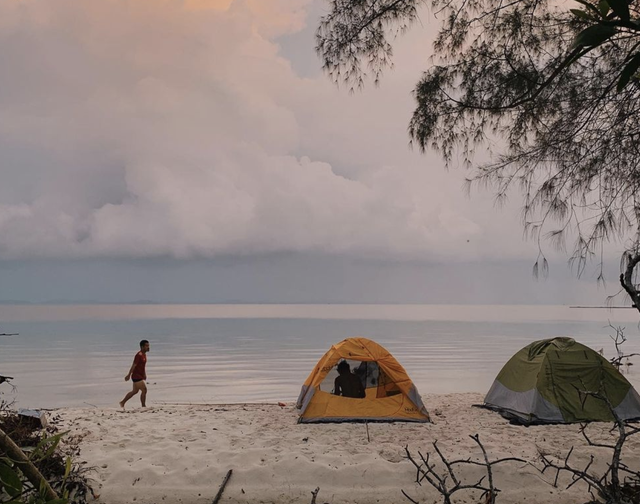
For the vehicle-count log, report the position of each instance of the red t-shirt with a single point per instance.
(140, 361)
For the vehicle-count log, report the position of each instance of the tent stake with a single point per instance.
(366, 424)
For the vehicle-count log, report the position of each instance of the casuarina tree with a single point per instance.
(558, 89)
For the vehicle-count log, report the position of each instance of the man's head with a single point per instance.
(144, 346)
(343, 368)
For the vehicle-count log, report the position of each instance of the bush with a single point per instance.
(29, 454)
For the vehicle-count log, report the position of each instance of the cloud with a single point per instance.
(143, 128)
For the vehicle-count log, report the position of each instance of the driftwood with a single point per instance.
(448, 483)
(221, 489)
(29, 470)
(314, 495)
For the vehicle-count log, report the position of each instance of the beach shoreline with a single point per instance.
(181, 453)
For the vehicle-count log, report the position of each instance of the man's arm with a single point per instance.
(133, 366)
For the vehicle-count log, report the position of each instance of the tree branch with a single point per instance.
(30, 471)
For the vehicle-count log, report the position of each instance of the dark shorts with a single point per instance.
(136, 380)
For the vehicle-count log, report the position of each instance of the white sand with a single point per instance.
(180, 454)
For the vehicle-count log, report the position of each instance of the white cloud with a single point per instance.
(166, 127)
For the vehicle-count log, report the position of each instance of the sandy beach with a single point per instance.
(181, 453)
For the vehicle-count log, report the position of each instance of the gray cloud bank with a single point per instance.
(291, 278)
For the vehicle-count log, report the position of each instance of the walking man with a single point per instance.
(138, 375)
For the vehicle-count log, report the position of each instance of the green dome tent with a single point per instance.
(543, 383)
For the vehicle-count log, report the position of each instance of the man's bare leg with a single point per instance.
(134, 391)
(143, 395)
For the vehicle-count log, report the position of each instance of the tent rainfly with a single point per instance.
(546, 380)
(389, 394)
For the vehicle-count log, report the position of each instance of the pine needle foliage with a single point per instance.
(558, 89)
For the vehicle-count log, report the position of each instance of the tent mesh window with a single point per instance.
(368, 372)
(327, 383)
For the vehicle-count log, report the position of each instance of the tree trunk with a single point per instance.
(626, 277)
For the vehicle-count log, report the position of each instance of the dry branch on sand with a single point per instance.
(222, 486)
(447, 482)
(619, 484)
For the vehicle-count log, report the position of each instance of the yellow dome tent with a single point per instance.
(390, 395)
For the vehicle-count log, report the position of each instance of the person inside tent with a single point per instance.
(347, 384)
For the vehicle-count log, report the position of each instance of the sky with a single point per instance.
(194, 151)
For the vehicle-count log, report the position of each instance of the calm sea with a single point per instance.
(77, 355)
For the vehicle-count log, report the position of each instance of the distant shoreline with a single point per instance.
(144, 302)
(606, 307)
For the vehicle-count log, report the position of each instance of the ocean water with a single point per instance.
(76, 355)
